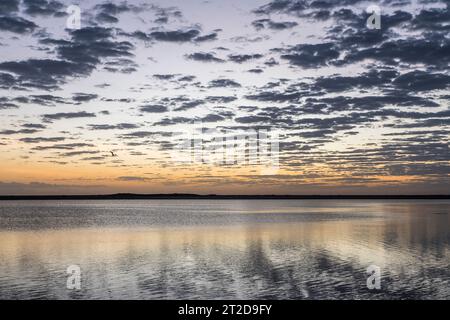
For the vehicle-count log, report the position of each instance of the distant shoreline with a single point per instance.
(178, 196)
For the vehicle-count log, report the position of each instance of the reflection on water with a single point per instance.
(225, 249)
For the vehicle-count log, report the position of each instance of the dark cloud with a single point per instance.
(165, 14)
(67, 115)
(84, 97)
(132, 178)
(369, 79)
(189, 105)
(204, 57)
(422, 81)
(208, 37)
(41, 99)
(427, 123)
(88, 48)
(274, 96)
(43, 74)
(312, 55)
(109, 10)
(433, 19)
(154, 108)
(21, 131)
(34, 126)
(78, 153)
(271, 62)
(173, 121)
(164, 76)
(119, 126)
(145, 134)
(241, 58)
(252, 119)
(220, 99)
(92, 44)
(16, 25)
(212, 118)
(175, 36)
(432, 51)
(187, 78)
(42, 139)
(270, 24)
(67, 146)
(9, 6)
(6, 103)
(7, 81)
(44, 8)
(223, 83)
(283, 6)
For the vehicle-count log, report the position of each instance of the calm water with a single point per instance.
(252, 249)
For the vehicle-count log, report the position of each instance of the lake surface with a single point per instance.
(229, 249)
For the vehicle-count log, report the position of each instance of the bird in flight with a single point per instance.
(113, 154)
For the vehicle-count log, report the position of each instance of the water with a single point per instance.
(249, 249)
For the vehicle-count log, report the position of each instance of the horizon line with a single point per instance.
(166, 196)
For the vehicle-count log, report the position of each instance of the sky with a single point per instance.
(298, 97)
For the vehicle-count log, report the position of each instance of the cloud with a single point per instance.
(67, 115)
(17, 25)
(432, 51)
(87, 49)
(78, 153)
(7, 81)
(274, 96)
(154, 108)
(119, 126)
(208, 37)
(133, 178)
(223, 83)
(189, 105)
(203, 57)
(220, 99)
(432, 19)
(34, 126)
(43, 74)
(256, 70)
(173, 121)
(175, 36)
(241, 58)
(187, 78)
(44, 8)
(21, 131)
(311, 55)
(283, 6)
(270, 24)
(422, 81)
(6, 103)
(212, 118)
(42, 139)
(368, 79)
(252, 119)
(9, 6)
(65, 146)
(84, 97)
(109, 10)
(144, 134)
(41, 99)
